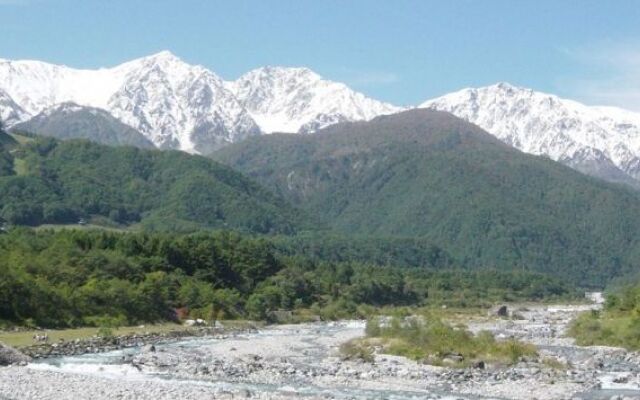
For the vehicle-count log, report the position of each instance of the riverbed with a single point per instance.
(303, 361)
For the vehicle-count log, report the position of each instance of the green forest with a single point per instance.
(43, 180)
(73, 278)
(430, 176)
(423, 210)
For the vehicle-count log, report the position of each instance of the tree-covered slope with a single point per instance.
(49, 181)
(429, 174)
(5, 139)
(72, 277)
(71, 121)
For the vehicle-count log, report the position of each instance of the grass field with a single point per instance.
(25, 338)
(620, 329)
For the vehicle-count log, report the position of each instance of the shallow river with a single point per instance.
(302, 361)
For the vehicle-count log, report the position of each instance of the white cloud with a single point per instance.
(613, 76)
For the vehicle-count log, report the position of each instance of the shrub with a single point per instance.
(431, 340)
(357, 350)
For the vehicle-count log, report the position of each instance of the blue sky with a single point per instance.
(400, 51)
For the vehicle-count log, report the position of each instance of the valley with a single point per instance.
(303, 361)
(356, 200)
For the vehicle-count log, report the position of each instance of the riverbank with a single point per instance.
(73, 342)
(303, 361)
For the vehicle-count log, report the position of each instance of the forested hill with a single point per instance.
(44, 180)
(70, 121)
(5, 139)
(429, 174)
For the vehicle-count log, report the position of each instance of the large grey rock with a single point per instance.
(9, 355)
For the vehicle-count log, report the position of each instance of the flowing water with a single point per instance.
(301, 361)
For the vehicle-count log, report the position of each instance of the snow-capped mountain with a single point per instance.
(601, 141)
(174, 104)
(299, 100)
(182, 106)
(72, 121)
(10, 112)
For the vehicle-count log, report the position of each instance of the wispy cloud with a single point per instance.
(368, 78)
(612, 77)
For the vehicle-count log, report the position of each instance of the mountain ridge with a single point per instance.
(589, 138)
(72, 121)
(48, 181)
(425, 173)
(174, 104)
(188, 107)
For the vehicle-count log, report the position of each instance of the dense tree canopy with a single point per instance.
(47, 181)
(75, 277)
(429, 175)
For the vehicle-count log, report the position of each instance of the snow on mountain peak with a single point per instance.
(174, 104)
(164, 55)
(181, 106)
(284, 99)
(10, 112)
(541, 123)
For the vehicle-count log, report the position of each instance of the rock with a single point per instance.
(149, 348)
(500, 311)
(621, 379)
(9, 355)
(479, 365)
(452, 359)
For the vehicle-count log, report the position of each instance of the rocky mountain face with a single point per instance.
(71, 121)
(600, 141)
(299, 100)
(176, 105)
(10, 112)
(186, 107)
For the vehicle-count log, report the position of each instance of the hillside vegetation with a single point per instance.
(70, 121)
(427, 174)
(428, 339)
(617, 325)
(75, 278)
(48, 181)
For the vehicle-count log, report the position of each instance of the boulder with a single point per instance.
(150, 348)
(9, 355)
(479, 365)
(499, 311)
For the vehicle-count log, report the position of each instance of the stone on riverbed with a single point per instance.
(150, 348)
(499, 311)
(9, 355)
